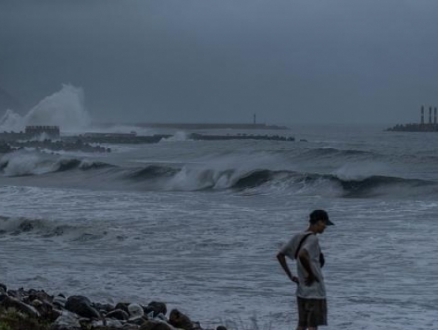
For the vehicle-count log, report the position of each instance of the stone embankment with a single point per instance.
(91, 143)
(37, 310)
(135, 139)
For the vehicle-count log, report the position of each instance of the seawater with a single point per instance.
(197, 224)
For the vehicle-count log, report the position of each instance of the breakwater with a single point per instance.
(196, 136)
(193, 126)
(135, 139)
(92, 142)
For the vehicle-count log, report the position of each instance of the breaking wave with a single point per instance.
(351, 180)
(23, 163)
(64, 108)
(367, 187)
(264, 180)
(339, 153)
(151, 172)
(16, 226)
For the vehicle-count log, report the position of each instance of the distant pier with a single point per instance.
(192, 126)
(196, 136)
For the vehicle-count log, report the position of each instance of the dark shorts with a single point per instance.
(311, 312)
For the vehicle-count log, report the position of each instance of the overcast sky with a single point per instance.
(304, 61)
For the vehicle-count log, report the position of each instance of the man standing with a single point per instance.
(311, 295)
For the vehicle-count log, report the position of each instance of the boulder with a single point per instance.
(180, 320)
(156, 325)
(118, 314)
(82, 306)
(156, 308)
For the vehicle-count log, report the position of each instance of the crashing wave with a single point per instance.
(64, 108)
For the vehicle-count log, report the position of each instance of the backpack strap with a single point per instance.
(301, 243)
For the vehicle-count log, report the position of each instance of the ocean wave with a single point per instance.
(285, 181)
(41, 227)
(29, 163)
(353, 179)
(373, 185)
(151, 172)
(339, 153)
(16, 226)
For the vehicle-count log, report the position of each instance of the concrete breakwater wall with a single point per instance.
(196, 136)
(194, 126)
(92, 142)
(135, 139)
(115, 138)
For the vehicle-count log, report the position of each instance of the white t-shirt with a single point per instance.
(311, 245)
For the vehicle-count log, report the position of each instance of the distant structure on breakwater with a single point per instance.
(31, 132)
(44, 137)
(422, 126)
(50, 131)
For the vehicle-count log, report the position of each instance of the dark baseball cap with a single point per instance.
(317, 215)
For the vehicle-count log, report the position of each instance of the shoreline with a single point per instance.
(38, 310)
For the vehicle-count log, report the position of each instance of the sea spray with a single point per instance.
(64, 108)
(11, 121)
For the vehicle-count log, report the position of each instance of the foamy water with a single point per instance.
(197, 224)
(214, 256)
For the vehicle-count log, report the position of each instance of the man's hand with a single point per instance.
(310, 279)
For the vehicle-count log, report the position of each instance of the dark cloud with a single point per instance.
(287, 61)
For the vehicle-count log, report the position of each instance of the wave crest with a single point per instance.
(29, 163)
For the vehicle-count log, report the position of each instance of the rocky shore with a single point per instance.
(37, 310)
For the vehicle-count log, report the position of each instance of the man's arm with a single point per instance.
(305, 261)
(282, 260)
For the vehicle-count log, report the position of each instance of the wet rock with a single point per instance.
(123, 306)
(8, 302)
(196, 326)
(82, 306)
(66, 320)
(108, 324)
(180, 320)
(59, 301)
(3, 288)
(156, 325)
(136, 314)
(118, 314)
(155, 308)
(106, 308)
(221, 327)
